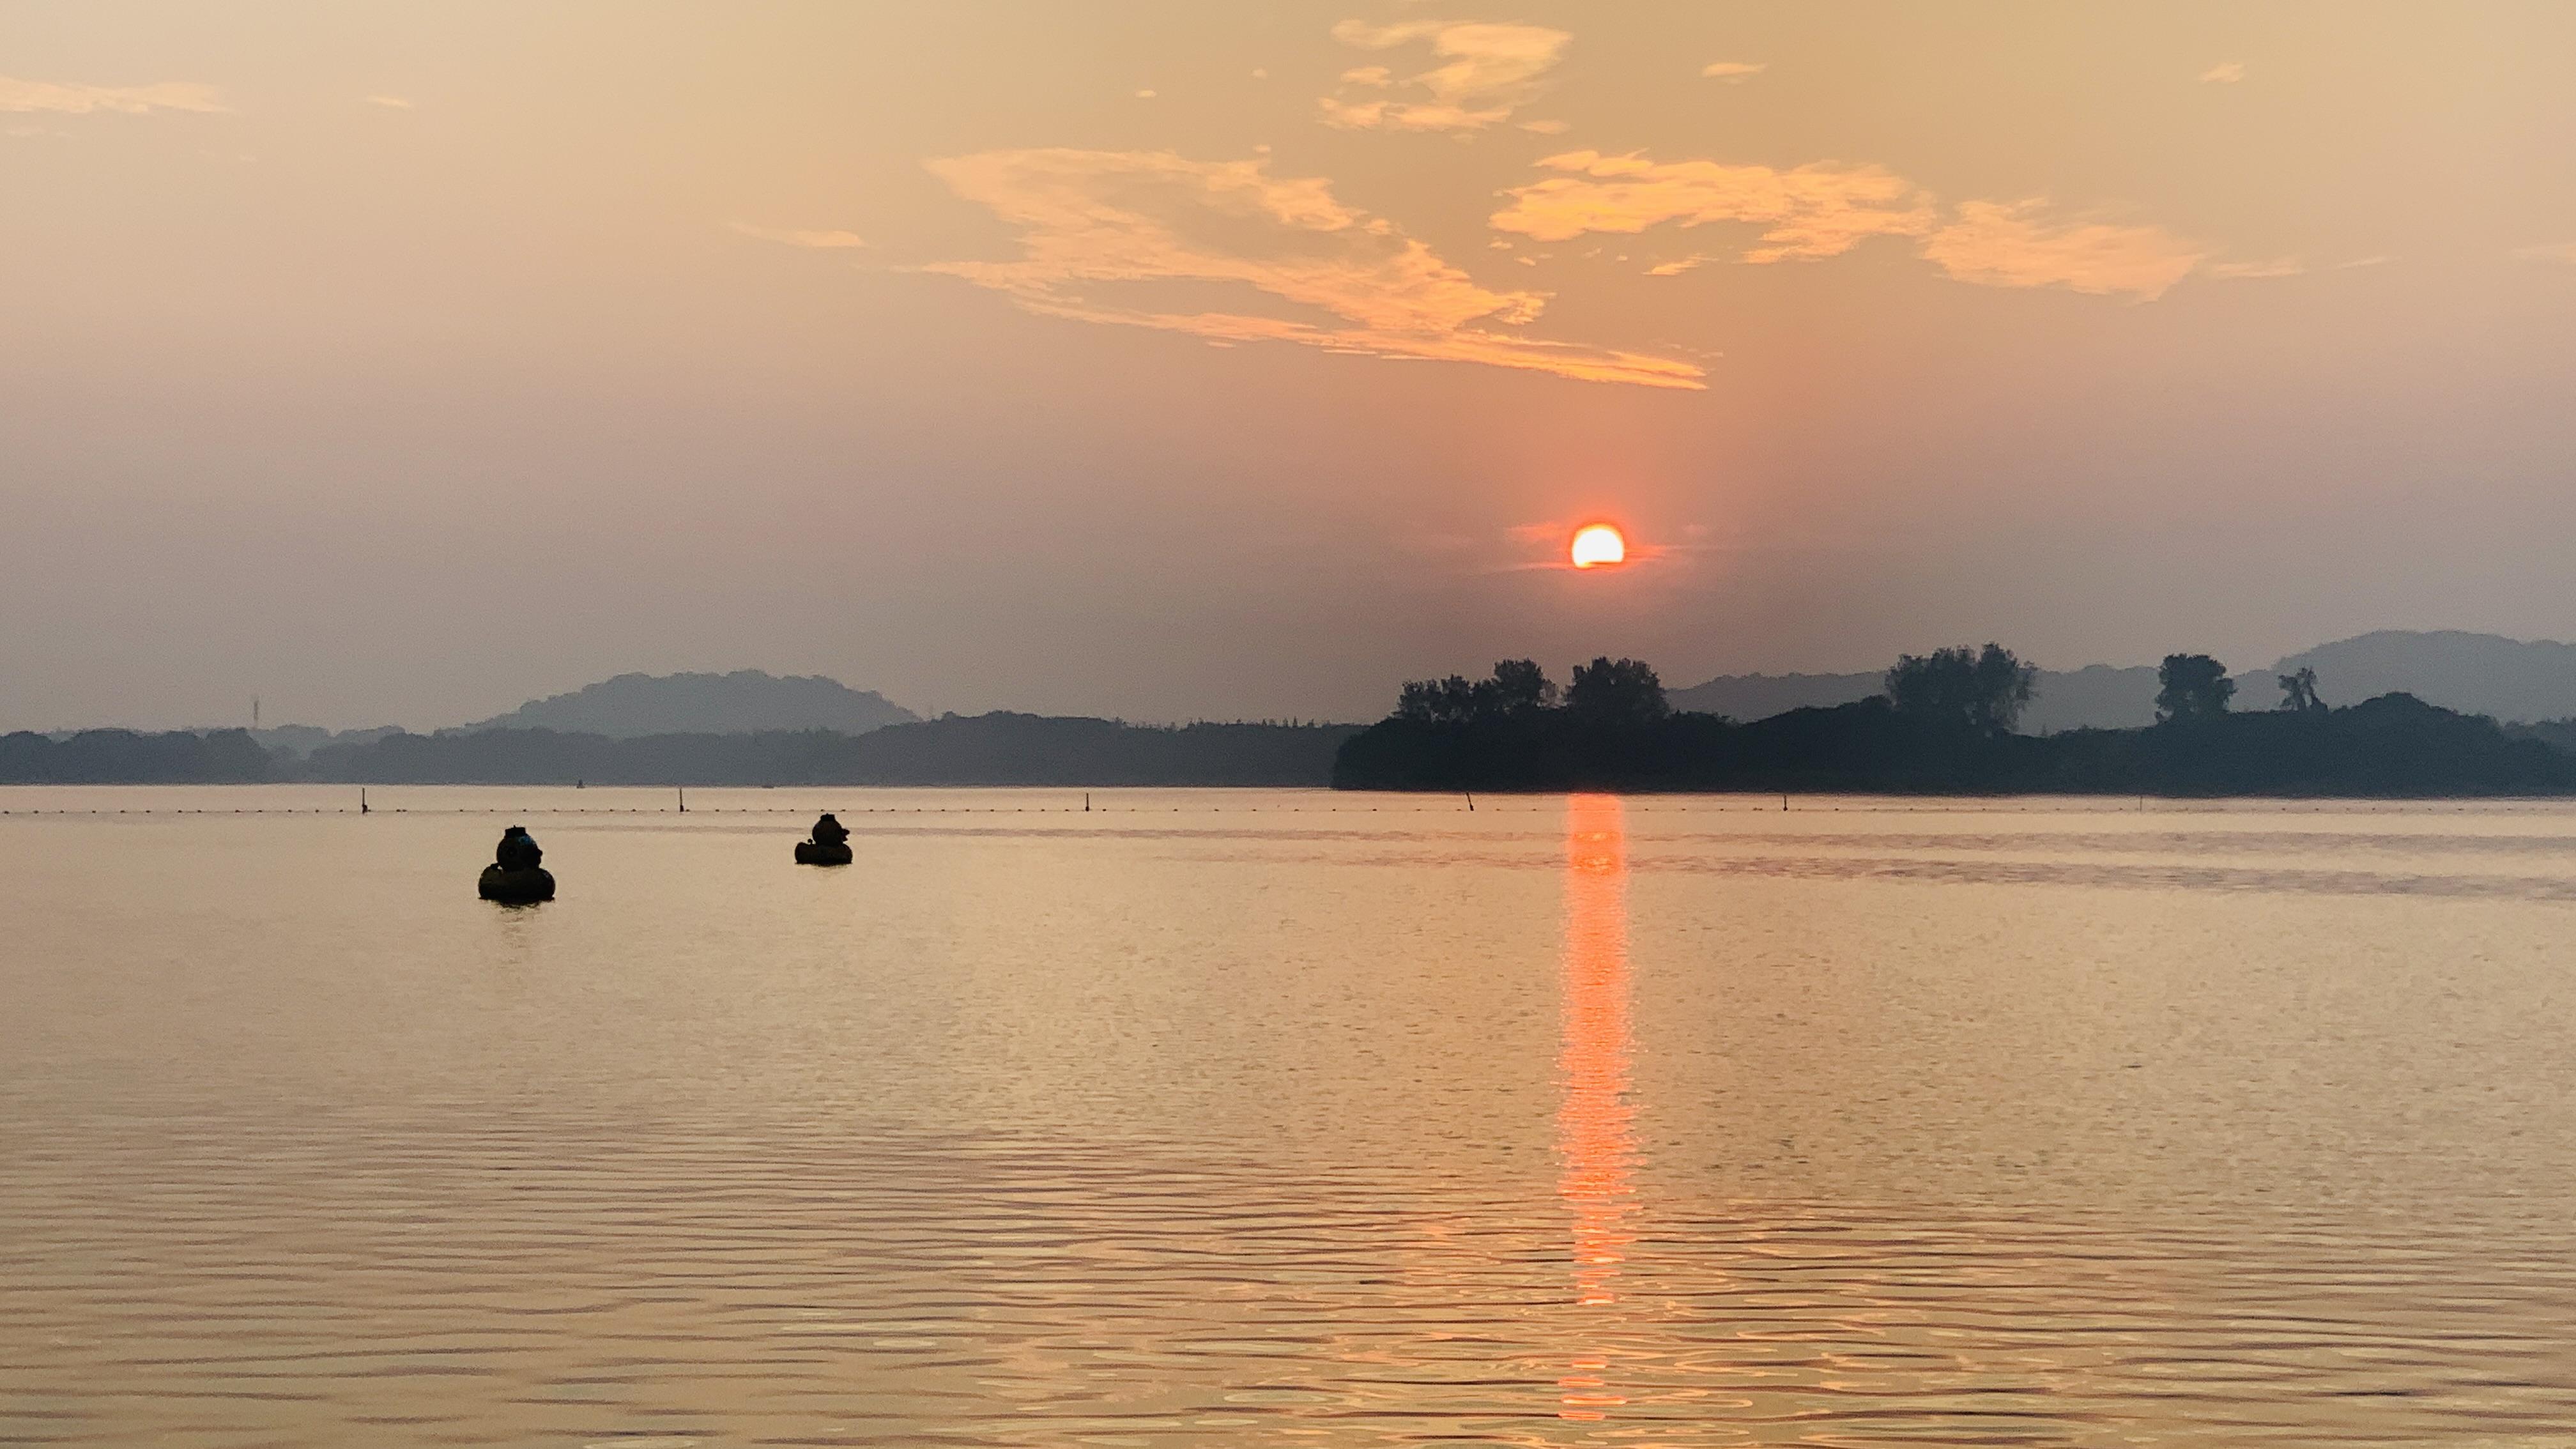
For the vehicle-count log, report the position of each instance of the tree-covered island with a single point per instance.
(1943, 725)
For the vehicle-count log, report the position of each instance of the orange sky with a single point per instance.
(398, 362)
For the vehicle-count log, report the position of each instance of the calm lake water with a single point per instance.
(1278, 1118)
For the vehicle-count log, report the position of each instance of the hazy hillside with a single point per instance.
(295, 741)
(1760, 696)
(2472, 673)
(2097, 695)
(127, 757)
(2485, 674)
(746, 701)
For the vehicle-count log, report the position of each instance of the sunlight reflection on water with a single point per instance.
(1595, 1128)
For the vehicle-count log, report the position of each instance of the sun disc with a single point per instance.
(1597, 544)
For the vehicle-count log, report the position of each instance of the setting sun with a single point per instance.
(1596, 545)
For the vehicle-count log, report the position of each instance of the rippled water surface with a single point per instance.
(1261, 1117)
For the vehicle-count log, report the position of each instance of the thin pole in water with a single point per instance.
(1471, 802)
(362, 799)
(1086, 802)
(684, 799)
(1784, 804)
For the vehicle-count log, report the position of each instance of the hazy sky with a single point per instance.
(396, 362)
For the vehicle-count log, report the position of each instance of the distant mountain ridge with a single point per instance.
(2511, 680)
(747, 701)
(2514, 680)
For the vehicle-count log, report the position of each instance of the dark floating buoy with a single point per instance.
(830, 844)
(514, 878)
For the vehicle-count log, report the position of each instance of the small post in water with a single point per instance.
(362, 799)
(684, 799)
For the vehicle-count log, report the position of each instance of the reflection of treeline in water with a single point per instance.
(988, 749)
(1944, 725)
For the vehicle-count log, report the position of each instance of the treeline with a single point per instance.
(126, 757)
(1944, 726)
(989, 749)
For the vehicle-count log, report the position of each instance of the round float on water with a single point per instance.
(516, 887)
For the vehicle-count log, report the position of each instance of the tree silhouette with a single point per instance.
(1517, 687)
(2299, 691)
(1616, 692)
(1984, 690)
(2192, 686)
(1436, 701)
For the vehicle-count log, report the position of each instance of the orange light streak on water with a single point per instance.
(1596, 1130)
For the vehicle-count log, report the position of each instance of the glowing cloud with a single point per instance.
(391, 103)
(1826, 208)
(2226, 74)
(81, 100)
(1733, 72)
(2013, 244)
(2552, 252)
(1101, 230)
(1486, 72)
(1818, 210)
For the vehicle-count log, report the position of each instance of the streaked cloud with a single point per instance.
(1132, 238)
(1819, 210)
(391, 103)
(2017, 244)
(79, 100)
(2226, 74)
(797, 237)
(2250, 271)
(1485, 72)
(1734, 72)
(2547, 252)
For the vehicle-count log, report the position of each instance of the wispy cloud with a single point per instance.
(79, 100)
(2225, 74)
(1131, 238)
(2547, 252)
(1734, 72)
(1826, 208)
(2255, 271)
(797, 237)
(1818, 210)
(2017, 244)
(1486, 71)
(391, 103)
